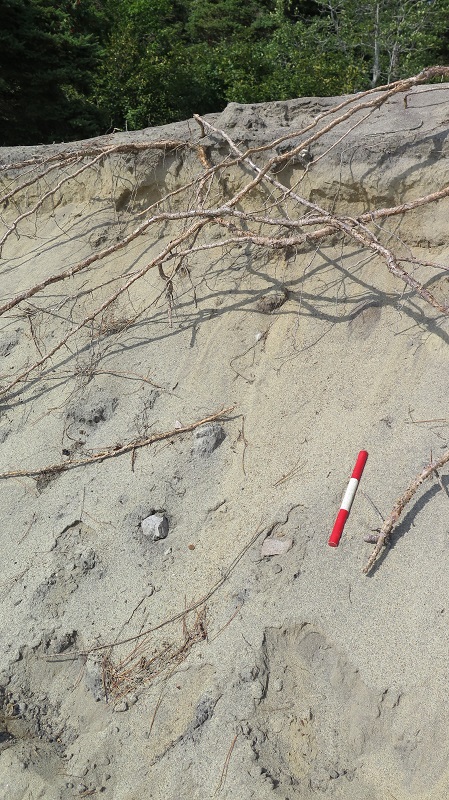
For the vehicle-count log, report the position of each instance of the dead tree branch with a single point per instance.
(113, 451)
(90, 150)
(201, 205)
(346, 226)
(399, 506)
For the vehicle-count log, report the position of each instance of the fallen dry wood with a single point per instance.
(92, 150)
(112, 452)
(399, 506)
(202, 204)
(350, 227)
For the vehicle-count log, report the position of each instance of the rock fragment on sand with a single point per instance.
(155, 527)
(272, 300)
(207, 438)
(276, 546)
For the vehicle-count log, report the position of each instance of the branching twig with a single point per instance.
(112, 452)
(399, 506)
(92, 150)
(155, 261)
(346, 226)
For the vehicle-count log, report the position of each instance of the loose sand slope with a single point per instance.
(299, 677)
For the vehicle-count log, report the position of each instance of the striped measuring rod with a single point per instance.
(346, 503)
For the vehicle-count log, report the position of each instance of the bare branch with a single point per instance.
(114, 451)
(399, 506)
(91, 150)
(165, 252)
(348, 227)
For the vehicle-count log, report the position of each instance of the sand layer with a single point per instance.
(298, 677)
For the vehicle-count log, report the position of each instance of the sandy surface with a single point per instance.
(299, 677)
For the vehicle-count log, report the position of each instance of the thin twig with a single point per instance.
(233, 616)
(113, 452)
(156, 708)
(346, 226)
(224, 771)
(399, 506)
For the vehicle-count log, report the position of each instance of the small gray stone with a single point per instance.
(276, 546)
(122, 706)
(155, 527)
(207, 438)
(272, 300)
(8, 343)
(257, 691)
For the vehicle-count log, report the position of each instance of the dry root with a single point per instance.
(112, 452)
(399, 506)
(145, 661)
(311, 225)
(181, 221)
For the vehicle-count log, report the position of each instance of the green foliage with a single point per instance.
(151, 73)
(167, 60)
(47, 56)
(215, 21)
(393, 39)
(80, 67)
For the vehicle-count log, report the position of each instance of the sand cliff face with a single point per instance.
(227, 392)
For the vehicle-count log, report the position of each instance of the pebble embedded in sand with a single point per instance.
(207, 438)
(270, 301)
(276, 547)
(155, 527)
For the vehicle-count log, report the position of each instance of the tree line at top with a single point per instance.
(79, 68)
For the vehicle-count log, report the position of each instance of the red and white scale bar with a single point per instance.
(346, 503)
